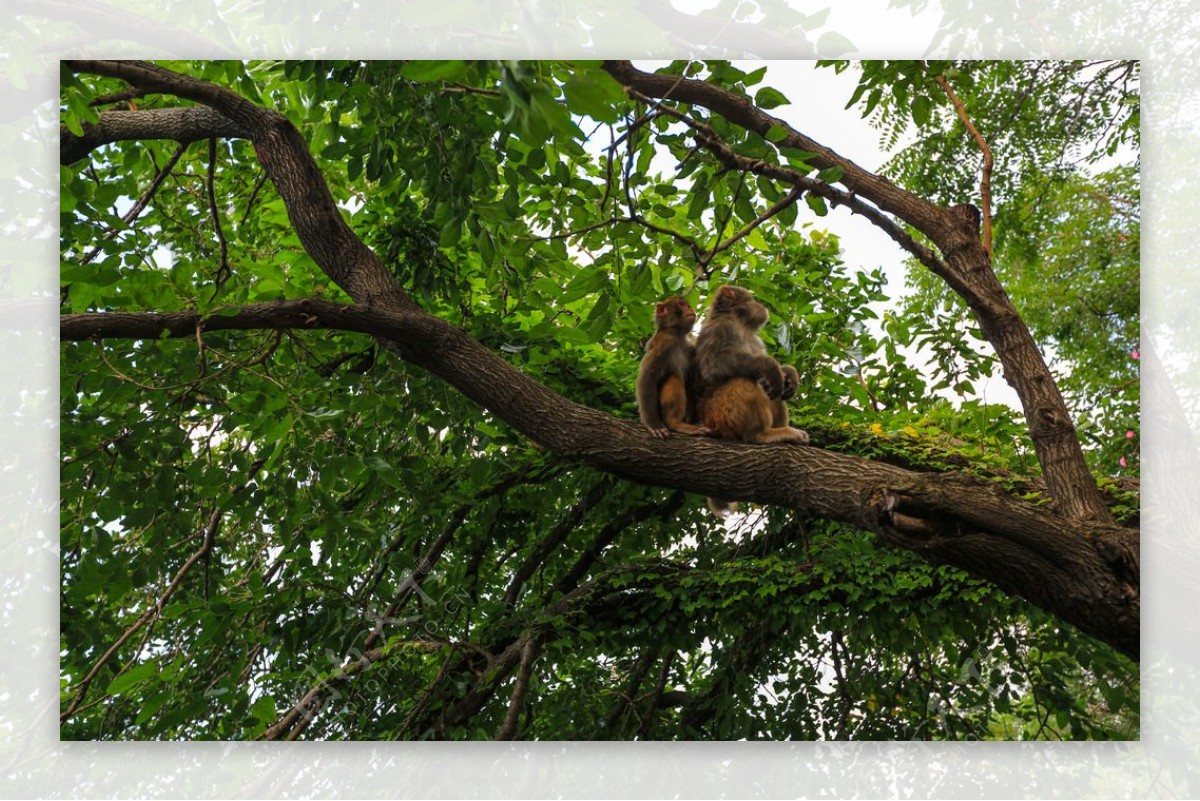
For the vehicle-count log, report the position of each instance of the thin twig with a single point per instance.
(985, 181)
(719, 227)
(223, 271)
(128, 217)
(837, 197)
(663, 674)
(258, 184)
(509, 728)
(139, 384)
(152, 612)
(779, 206)
(118, 97)
(462, 88)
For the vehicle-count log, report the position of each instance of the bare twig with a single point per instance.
(985, 181)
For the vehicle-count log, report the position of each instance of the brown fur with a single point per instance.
(741, 391)
(741, 387)
(664, 403)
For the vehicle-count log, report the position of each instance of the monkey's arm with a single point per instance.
(717, 365)
(791, 380)
(779, 410)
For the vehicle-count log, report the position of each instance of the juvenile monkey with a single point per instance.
(779, 412)
(741, 390)
(662, 393)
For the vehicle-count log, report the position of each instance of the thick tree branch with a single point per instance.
(183, 125)
(1056, 563)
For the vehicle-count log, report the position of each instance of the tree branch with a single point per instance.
(966, 521)
(183, 125)
(520, 687)
(223, 269)
(985, 181)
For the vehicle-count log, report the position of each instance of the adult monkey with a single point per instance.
(740, 389)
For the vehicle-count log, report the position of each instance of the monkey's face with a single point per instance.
(674, 313)
(755, 314)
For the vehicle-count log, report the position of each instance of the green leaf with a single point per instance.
(600, 319)
(698, 200)
(264, 709)
(754, 76)
(150, 706)
(434, 70)
(133, 676)
(831, 175)
(594, 93)
(584, 283)
(768, 98)
(777, 133)
(922, 107)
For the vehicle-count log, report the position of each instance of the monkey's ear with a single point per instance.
(660, 309)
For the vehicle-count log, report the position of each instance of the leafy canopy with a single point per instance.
(541, 210)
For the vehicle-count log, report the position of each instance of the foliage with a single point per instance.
(375, 533)
(1067, 214)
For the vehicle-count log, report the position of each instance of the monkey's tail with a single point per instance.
(721, 508)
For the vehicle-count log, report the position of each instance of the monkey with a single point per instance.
(779, 412)
(741, 392)
(664, 403)
(741, 389)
